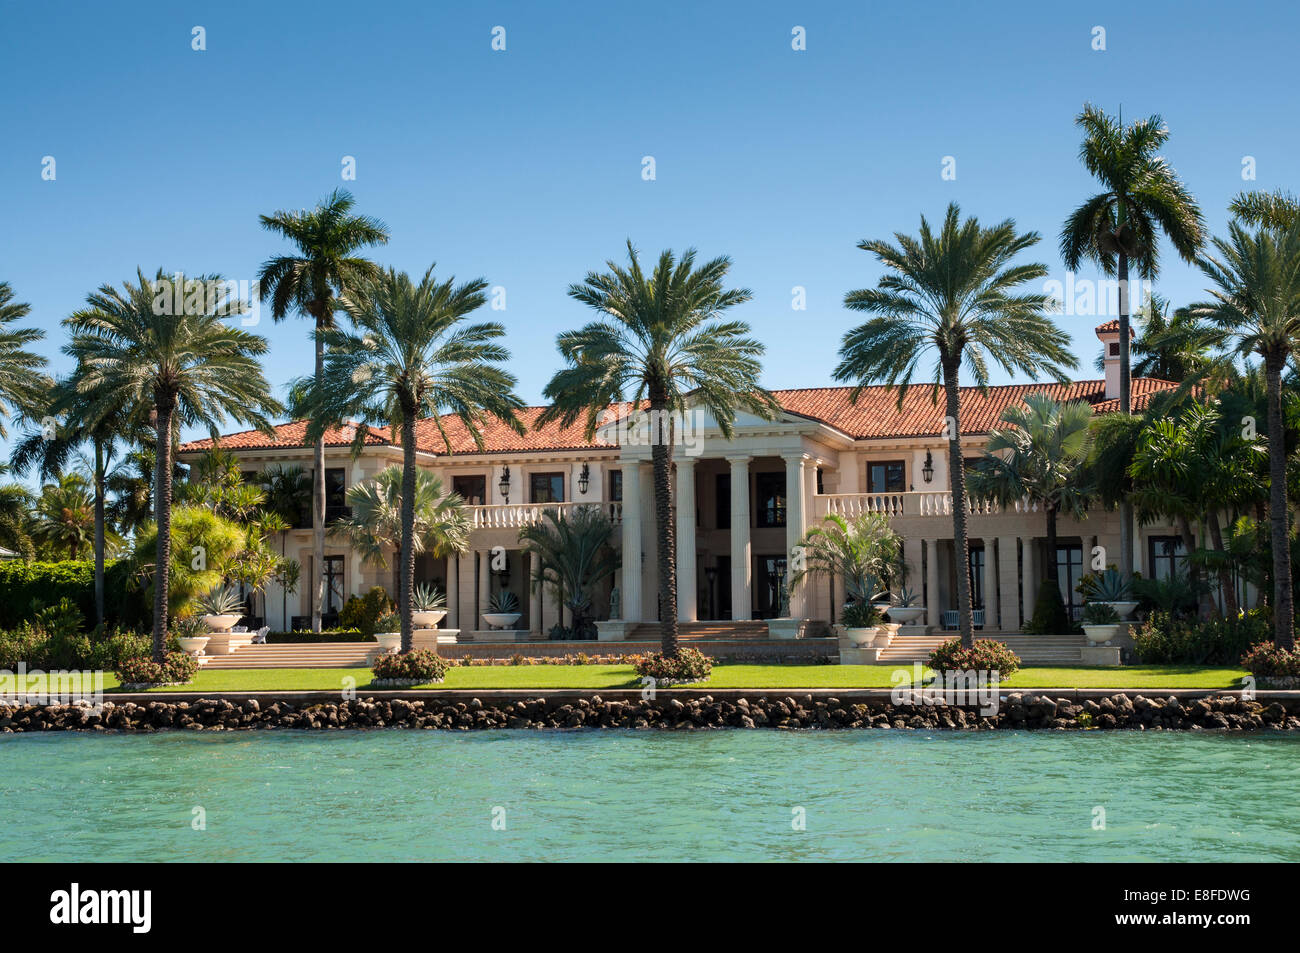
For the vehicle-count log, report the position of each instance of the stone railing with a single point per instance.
(514, 515)
(923, 503)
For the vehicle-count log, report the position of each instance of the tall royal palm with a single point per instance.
(23, 383)
(410, 355)
(1119, 227)
(309, 282)
(1256, 302)
(660, 339)
(954, 294)
(174, 358)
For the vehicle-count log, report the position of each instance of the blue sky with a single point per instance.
(524, 166)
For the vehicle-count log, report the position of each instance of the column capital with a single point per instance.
(686, 462)
(736, 459)
(797, 456)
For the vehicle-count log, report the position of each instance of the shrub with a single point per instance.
(691, 665)
(986, 655)
(419, 666)
(178, 668)
(1100, 613)
(1050, 617)
(114, 646)
(364, 612)
(860, 615)
(1165, 640)
(1270, 661)
(26, 583)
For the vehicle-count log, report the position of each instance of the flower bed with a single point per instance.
(691, 665)
(140, 672)
(1274, 666)
(987, 655)
(417, 667)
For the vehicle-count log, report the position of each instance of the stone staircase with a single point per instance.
(703, 631)
(295, 655)
(1033, 649)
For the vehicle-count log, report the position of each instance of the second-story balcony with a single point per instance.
(515, 515)
(915, 503)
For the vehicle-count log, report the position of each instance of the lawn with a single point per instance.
(549, 677)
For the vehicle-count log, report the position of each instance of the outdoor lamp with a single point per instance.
(504, 485)
(927, 470)
(584, 479)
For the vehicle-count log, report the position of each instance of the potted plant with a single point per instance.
(503, 610)
(428, 606)
(191, 634)
(907, 611)
(389, 635)
(221, 609)
(1112, 589)
(860, 620)
(1100, 622)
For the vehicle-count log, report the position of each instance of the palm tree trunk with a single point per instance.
(1193, 571)
(318, 496)
(406, 584)
(1283, 608)
(1230, 608)
(99, 532)
(163, 509)
(662, 456)
(957, 484)
(1053, 573)
(1125, 407)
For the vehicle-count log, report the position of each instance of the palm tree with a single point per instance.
(65, 515)
(15, 517)
(288, 494)
(1039, 456)
(1143, 196)
(1256, 302)
(1278, 210)
(864, 552)
(956, 294)
(130, 482)
(660, 339)
(441, 523)
(1171, 347)
(410, 356)
(572, 554)
(326, 265)
(182, 366)
(22, 382)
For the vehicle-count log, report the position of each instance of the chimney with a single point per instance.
(1108, 334)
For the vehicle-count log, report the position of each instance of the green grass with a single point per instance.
(549, 677)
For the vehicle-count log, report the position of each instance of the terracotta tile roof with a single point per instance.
(1112, 326)
(874, 415)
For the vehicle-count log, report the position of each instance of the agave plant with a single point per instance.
(1108, 586)
(427, 597)
(222, 601)
(908, 597)
(503, 602)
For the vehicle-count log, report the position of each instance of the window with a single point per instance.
(546, 487)
(471, 489)
(770, 490)
(1168, 556)
(722, 503)
(886, 477)
(616, 486)
(1113, 347)
(333, 586)
(336, 495)
(1069, 568)
(821, 487)
(977, 579)
(768, 582)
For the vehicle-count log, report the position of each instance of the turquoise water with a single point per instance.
(727, 795)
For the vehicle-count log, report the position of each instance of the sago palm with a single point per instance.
(177, 362)
(1256, 302)
(441, 525)
(23, 383)
(955, 297)
(1120, 226)
(661, 339)
(571, 553)
(411, 355)
(309, 282)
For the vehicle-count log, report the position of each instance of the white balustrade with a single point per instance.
(515, 515)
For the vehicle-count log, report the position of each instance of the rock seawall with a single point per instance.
(1015, 710)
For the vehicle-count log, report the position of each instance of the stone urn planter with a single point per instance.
(905, 615)
(502, 620)
(389, 642)
(1101, 634)
(221, 623)
(428, 620)
(1124, 610)
(194, 644)
(861, 637)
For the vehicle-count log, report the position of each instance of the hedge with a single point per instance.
(23, 584)
(333, 635)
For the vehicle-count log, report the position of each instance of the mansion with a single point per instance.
(741, 505)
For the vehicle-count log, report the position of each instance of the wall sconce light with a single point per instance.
(584, 479)
(504, 485)
(927, 471)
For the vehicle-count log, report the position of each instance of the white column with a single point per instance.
(453, 591)
(990, 585)
(932, 605)
(484, 587)
(534, 599)
(1030, 577)
(741, 570)
(795, 524)
(466, 594)
(631, 594)
(687, 585)
(1089, 544)
(1009, 593)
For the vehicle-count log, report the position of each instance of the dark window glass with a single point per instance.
(472, 489)
(977, 579)
(722, 503)
(546, 487)
(1069, 569)
(333, 585)
(1168, 555)
(336, 495)
(887, 477)
(616, 486)
(770, 490)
